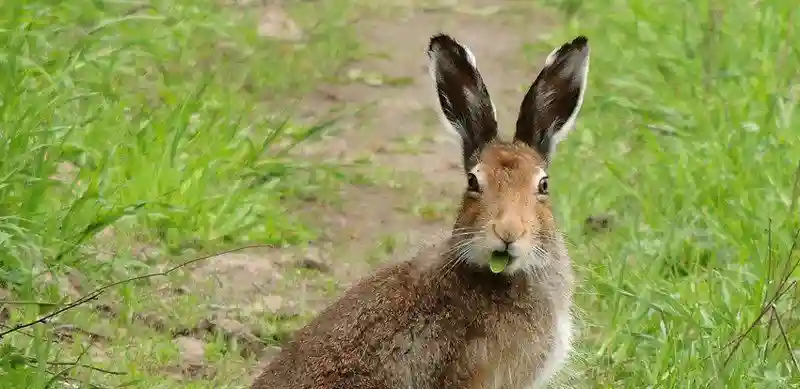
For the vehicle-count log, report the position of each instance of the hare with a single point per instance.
(488, 307)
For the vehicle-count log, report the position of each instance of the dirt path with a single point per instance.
(400, 134)
(400, 131)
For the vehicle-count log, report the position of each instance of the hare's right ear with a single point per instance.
(549, 109)
(465, 102)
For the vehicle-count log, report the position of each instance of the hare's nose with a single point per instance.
(507, 235)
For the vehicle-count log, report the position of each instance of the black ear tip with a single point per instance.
(580, 41)
(439, 41)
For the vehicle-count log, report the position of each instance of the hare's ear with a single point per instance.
(466, 107)
(550, 107)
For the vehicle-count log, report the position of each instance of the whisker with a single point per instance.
(457, 260)
(553, 239)
(465, 232)
(457, 253)
(455, 249)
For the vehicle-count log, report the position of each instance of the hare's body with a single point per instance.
(419, 325)
(489, 307)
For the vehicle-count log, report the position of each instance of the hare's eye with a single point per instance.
(472, 183)
(543, 187)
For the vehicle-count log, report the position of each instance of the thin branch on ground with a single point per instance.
(62, 374)
(29, 302)
(785, 337)
(784, 286)
(32, 361)
(93, 295)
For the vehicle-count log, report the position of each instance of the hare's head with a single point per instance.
(506, 221)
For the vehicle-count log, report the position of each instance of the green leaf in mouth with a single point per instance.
(498, 261)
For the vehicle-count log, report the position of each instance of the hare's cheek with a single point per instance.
(471, 212)
(541, 219)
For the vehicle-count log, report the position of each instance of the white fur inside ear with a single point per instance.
(474, 63)
(551, 57)
(450, 128)
(474, 102)
(578, 70)
(470, 57)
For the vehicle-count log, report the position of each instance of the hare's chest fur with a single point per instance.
(526, 355)
(559, 351)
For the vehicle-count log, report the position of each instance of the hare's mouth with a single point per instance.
(499, 260)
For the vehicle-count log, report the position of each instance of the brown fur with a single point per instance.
(419, 325)
(442, 319)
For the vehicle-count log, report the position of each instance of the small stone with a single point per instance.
(192, 350)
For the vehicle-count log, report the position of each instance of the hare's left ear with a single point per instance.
(466, 106)
(549, 109)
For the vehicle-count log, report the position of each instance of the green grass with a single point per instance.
(162, 125)
(165, 126)
(688, 136)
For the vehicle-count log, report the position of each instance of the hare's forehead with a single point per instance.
(510, 160)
